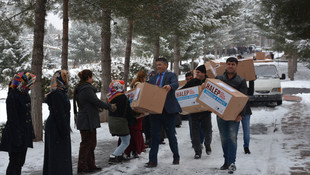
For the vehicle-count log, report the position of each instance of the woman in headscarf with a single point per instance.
(136, 145)
(120, 120)
(18, 132)
(57, 148)
(87, 120)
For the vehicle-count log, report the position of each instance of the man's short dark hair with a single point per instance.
(188, 74)
(232, 59)
(162, 59)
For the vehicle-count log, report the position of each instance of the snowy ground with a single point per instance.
(280, 142)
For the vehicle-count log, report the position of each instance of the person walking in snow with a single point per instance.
(57, 145)
(18, 133)
(120, 120)
(87, 120)
(200, 120)
(136, 145)
(246, 119)
(169, 81)
(229, 129)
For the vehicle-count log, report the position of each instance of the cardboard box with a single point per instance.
(259, 55)
(220, 69)
(211, 72)
(131, 94)
(215, 63)
(246, 69)
(149, 99)
(222, 99)
(187, 100)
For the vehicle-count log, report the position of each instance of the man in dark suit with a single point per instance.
(169, 81)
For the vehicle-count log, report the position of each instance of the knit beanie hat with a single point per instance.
(202, 68)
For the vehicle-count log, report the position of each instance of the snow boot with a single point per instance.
(247, 150)
(231, 168)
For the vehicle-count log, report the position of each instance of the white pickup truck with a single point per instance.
(267, 86)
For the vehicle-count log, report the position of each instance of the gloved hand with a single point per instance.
(113, 107)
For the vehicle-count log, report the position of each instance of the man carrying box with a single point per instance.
(169, 81)
(229, 129)
(200, 119)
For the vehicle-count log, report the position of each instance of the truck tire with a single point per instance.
(279, 102)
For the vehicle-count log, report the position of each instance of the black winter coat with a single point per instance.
(248, 110)
(57, 150)
(18, 132)
(123, 117)
(89, 105)
(236, 82)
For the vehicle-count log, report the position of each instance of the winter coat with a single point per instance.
(122, 118)
(18, 132)
(236, 82)
(89, 105)
(57, 150)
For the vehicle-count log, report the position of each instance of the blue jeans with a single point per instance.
(246, 130)
(125, 140)
(202, 137)
(228, 133)
(168, 122)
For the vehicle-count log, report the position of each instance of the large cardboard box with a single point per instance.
(211, 72)
(187, 100)
(260, 55)
(149, 99)
(222, 99)
(214, 63)
(246, 69)
(220, 69)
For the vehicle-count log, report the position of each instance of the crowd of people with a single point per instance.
(125, 123)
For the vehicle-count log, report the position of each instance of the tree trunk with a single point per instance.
(128, 50)
(156, 51)
(36, 68)
(176, 54)
(65, 36)
(291, 67)
(295, 64)
(105, 57)
(215, 53)
(220, 53)
(204, 53)
(192, 63)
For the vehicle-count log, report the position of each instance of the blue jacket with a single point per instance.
(171, 103)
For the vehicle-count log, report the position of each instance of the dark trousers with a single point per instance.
(17, 160)
(87, 148)
(168, 122)
(201, 120)
(146, 128)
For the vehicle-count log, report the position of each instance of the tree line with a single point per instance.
(188, 28)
